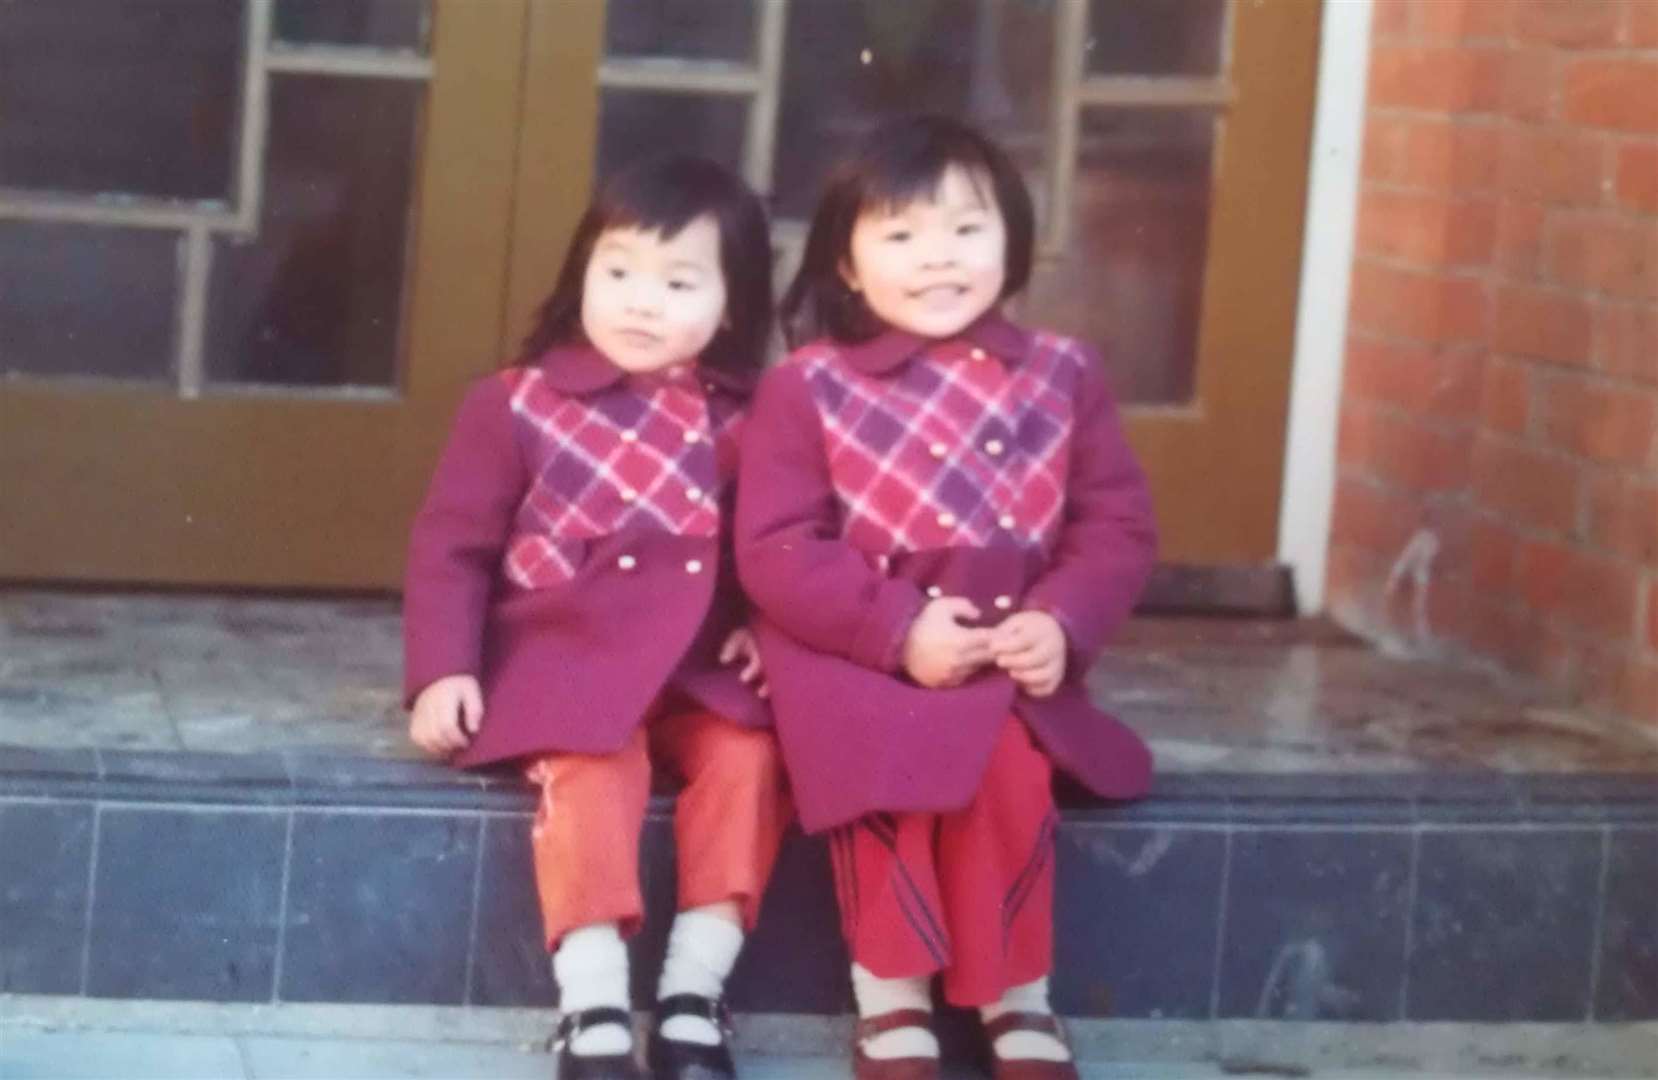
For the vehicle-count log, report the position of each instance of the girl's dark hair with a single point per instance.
(664, 195)
(890, 165)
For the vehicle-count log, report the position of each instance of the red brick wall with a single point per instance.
(1501, 399)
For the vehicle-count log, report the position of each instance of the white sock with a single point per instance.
(701, 950)
(1032, 997)
(877, 996)
(591, 968)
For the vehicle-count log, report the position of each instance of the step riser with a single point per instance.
(1222, 897)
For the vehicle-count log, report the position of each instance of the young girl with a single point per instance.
(942, 523)
(571, 604)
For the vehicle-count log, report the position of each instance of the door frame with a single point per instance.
(1321, 324)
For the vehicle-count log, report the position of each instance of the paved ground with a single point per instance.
(83, 1055)
(65, 1038)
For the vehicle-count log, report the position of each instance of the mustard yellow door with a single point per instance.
(1166, 144)
(244, 277)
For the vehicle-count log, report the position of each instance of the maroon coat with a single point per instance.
(570, 554)
(991, 466)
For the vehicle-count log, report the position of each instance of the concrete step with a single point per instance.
(50, 1038)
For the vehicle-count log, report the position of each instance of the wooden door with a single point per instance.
(244, 279)
(1166, 145)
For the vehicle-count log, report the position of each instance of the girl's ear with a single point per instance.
(848, 276)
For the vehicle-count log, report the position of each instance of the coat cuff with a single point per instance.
(880, 640)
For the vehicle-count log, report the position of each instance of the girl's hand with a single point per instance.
(1030, 646)
(740, 645)
(939, 651)
(447, 714)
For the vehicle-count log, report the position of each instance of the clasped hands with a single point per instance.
(939, 651)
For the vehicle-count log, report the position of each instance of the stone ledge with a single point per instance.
(288, 878)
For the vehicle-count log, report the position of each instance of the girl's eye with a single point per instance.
(969, 229)
(897, 236)
(681, 286)
(615, 273)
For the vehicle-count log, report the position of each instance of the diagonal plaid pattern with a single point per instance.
(647, 453)
(951, 451)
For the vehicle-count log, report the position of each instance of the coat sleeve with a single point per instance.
(457, 540)
(798, 571)
(1108, 539)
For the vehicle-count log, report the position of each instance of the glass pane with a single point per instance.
(139, 97)
(1155, 37)
(852, 62)
(635, 124)
(693, 29)
(1131, 281)
(82, 300)
(316, 298)
(388, 24)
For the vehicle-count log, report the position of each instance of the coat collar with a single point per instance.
(993, 332)
(578, 368)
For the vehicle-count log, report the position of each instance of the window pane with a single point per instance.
(79, 300)
(850, 63)
(690, 29)
(139, 97)
(635, 124)
(316, 298)
(1155, 37)
(389, 24)
(1131, 281)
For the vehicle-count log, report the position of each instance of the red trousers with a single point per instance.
(728, 822)
(968, 894)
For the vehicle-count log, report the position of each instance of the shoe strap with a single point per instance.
(572, 1024)
(714, 1010)
(1041, 1023)
(871, 1026)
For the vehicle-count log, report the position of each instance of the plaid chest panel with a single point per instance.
(950, 451)
(641, 456)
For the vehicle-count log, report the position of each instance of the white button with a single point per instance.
(628, 495)
(694, 494)
(978, 354)
(934, 591)
(884, 562)
(1006, 521)
(630, 435)
(693, 437)
(947, 520)
(694, 566)
(627, 562)
(1003, 602)
(938, 449)
(994, 448)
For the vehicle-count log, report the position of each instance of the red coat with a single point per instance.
(570, 554)
(992, 466)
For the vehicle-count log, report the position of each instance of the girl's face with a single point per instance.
(649, 303)
(933, 265)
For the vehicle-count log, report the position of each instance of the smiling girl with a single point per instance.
(941, 523)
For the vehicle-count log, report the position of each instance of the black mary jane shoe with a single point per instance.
(574, 1066)
(671, 1059)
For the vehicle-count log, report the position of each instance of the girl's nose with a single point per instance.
(643, 300)
(938, 253)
